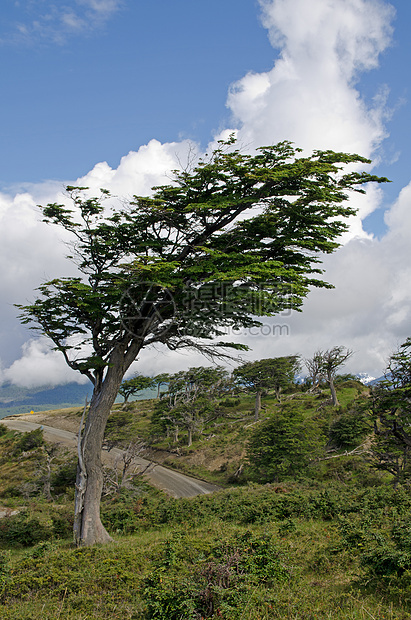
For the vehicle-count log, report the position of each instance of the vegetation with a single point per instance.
(277, 373)
(310, 528)
(181, 266)
(133, 386)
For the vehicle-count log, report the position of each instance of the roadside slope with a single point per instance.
(171, 482)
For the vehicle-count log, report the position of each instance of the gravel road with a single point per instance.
(171, 482)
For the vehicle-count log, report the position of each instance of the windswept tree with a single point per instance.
(391, 412)
(161, 380)
(182, 266)
(277, 373)
(325, 365)
(314, 367)
(192, 398)
(131, 387)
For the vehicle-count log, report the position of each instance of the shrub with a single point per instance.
(21, 530)
(349, 429)
(65, 476)
(29, 441)
(283, 446)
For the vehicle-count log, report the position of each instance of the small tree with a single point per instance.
(325, 365)
(391, 412)
(314, 367)
(192, 398)
(277, 374)
(237, 237)
(133, 386)
(160, 380)
(283, 446)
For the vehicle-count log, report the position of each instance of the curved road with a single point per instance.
(171, 482)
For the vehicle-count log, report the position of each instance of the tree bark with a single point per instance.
(88, 528)
(257, 405)
(333, 393)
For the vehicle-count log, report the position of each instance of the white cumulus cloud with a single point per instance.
(40, 365)
(311, 96)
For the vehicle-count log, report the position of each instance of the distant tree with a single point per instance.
(192, 398)
(391, 412)
(314, 367)
(237, 237)
(277, 373)
(325, 365)
(160, 380)
(131, 387)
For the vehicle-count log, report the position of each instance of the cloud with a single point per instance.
(46, 21)
(39, 365)
(310, 96)
(141, 170)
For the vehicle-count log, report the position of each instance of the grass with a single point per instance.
(312, 577)
(333, 544)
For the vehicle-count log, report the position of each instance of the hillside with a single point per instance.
(331, 540)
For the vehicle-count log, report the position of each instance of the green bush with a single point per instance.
(350, 429)
(283, 446)
(217, 584)
(22, 530)
(65, 476)
(29, 441)
(117, 423)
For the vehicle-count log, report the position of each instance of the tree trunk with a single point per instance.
(333, 393)
(88, 528)
(257, 405)
(190, 436)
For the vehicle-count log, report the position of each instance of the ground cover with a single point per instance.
(330, 542)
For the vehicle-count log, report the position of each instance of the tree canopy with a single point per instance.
(391, 413)
(275, 373)
(237, 237)
(136, 384)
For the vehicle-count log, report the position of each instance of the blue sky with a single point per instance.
(109, 93)
(149, 69)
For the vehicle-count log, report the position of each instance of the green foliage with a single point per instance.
(219, 584)
(391, 413)
(136, 384)
(277, 373)
(282, 446)
(254, 266)
(64, 477)
(190, 400)
(3, 430)
(22, 530)
(29, 441)
(350, 429)
(118, 426)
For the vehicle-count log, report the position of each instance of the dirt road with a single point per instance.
(171, 482)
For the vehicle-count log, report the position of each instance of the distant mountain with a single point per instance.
(365, 378)
(14, 399)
